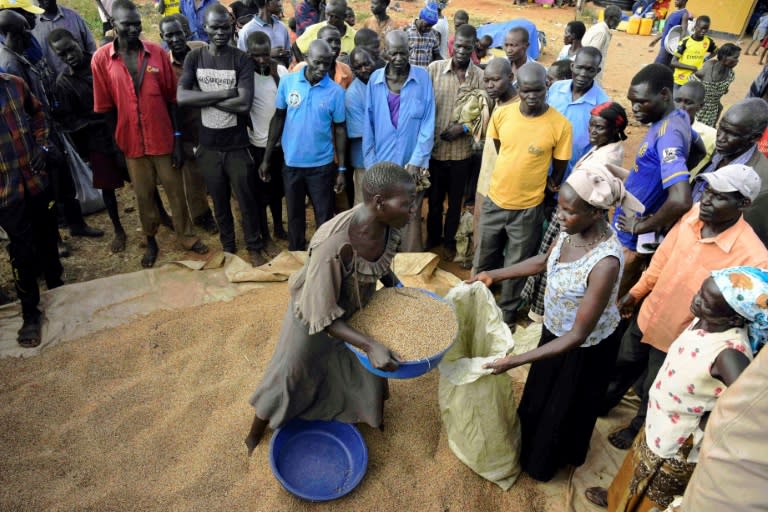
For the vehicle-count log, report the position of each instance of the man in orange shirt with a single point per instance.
(711, 236)
(339, 72)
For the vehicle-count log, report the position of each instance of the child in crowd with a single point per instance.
(692, 51)
(559, 70)
(574, 31)
(758, 34)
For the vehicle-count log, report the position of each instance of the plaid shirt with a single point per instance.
(22, 127)
(446, 86)
(421, 47)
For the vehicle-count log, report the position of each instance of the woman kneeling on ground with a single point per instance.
(312, 375)
(730, 323)
(579, 338)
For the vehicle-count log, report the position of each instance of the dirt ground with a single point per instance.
(92, 259)
(151, 415)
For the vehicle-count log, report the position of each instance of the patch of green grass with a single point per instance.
(88, 10)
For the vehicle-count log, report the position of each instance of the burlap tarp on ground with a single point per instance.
(62, 457)
(75, 310)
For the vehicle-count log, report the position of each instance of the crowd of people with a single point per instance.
(652, 278)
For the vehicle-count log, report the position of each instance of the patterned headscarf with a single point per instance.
(745, 289)
(614, 114)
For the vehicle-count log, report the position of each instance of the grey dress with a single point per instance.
(312, 375)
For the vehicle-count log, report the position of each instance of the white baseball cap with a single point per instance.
(734, 178)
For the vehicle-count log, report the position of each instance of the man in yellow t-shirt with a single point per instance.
(335, 13)
(692, 51)
(529, 139)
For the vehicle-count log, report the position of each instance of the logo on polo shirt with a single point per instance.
(294, 99)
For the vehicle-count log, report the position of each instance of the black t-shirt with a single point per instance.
(239, 9)
(219, 130)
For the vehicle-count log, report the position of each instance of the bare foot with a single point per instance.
(118, 243)
(623, 438)
(257, 432)
(257, 258)
(272, 249)
(150, 255)
(597, 496)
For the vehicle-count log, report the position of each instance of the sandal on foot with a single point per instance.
(597, 496)
(623, 438)
(30, 334)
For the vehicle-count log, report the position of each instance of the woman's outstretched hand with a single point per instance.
(501, 365)
(483, 277)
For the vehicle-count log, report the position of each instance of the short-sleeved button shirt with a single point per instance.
(659, 164)
(143, 123)
(578, 112)
(311, 111)
(277, 32)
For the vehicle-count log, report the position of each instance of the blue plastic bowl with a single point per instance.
(318, 460)
(407, 369)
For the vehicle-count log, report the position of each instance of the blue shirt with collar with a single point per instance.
(411, 142)
(277, 32)
(311, 113)
(196, 17)
(659, 164)
(354, 102)
(560, 97)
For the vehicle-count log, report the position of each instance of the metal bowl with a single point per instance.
(673, 39)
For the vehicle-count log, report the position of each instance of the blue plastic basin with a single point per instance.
(407, 369)
(318, 460)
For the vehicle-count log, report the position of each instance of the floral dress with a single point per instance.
(684, 389)
(312, 375)
(662, 459)
(713, 91)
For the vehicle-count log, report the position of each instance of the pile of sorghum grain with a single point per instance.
(408, 321)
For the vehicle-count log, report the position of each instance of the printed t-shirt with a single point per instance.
(231, 69)
(692, 53)
(528, 145)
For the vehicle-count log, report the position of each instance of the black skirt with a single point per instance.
(560, 405)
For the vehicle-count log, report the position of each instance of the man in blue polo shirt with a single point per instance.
(659, 178)
(576, 98)
(310, 123)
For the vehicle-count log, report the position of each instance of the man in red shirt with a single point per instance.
(135, 86)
